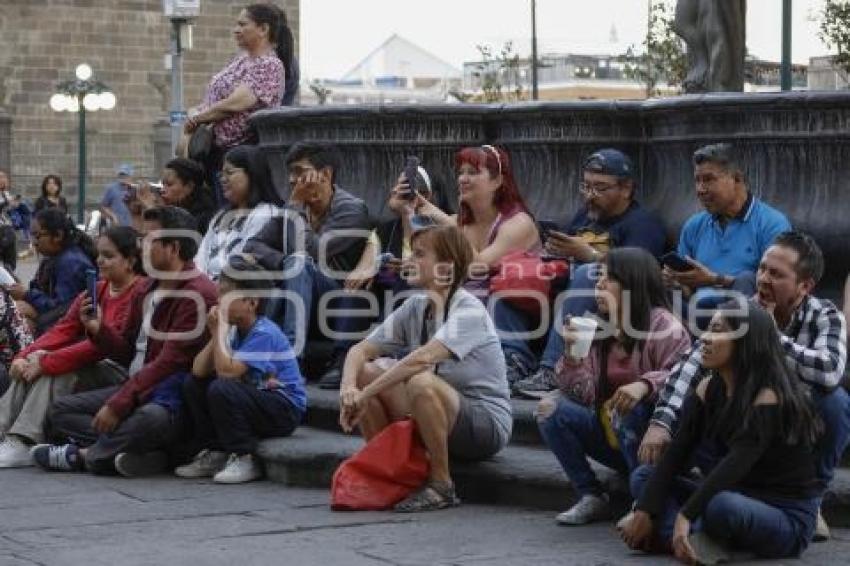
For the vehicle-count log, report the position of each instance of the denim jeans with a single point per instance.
(307, 283)
(573, 433)
(834, 409)
(776, 528)
(580, 301)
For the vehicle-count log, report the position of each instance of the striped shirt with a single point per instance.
(815, 344)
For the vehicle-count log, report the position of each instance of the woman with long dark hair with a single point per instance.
(51, 194)
(64, 359)
(252, 81)
(67, 254)
(251, 203)
(606, 397)
(183, 185)
(762, 494)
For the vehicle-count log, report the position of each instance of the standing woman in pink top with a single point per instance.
(250, 82)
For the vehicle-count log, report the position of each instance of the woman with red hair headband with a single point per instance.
(495, 220)
(493, 215)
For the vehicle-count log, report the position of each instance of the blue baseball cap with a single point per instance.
(124, 169)
(610, 162)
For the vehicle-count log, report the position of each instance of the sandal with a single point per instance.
(430, 497)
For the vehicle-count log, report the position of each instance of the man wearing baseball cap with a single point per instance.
(610, 218)
(113, 205)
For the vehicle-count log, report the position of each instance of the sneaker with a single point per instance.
(821, 529)
(133, 465)
(707, 550)
(332, 378)
(517, 370)
(57, 457)
(239, 469)
(205, 465)
(14, 453)
(537, 385)
(590, 508)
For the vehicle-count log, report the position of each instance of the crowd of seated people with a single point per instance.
(193, 348)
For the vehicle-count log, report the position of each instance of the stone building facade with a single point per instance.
(125, 42)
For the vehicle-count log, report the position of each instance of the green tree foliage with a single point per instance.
(835, 32)
(663, 59)
(499, 75)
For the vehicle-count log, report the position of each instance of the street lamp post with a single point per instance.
(84, 94)
(535, 93)
(787, 80)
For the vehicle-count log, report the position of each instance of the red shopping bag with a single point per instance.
(382, 473)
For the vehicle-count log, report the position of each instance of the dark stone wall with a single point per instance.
(795, 147)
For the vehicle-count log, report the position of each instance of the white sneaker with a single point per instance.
(589, 508)
(239, 469)
(205, 464)
(14, 453)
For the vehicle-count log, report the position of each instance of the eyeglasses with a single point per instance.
(595, 188)
(39, 234)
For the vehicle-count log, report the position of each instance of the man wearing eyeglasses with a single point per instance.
(722, 245)
(610, 218)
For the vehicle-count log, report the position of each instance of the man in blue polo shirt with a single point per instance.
(725, 242)
(610, 218)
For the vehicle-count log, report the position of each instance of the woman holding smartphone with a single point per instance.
(64, 359)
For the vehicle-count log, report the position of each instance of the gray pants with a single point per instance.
(148, 428)
(24, 406)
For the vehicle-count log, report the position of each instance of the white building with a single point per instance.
(396, 71)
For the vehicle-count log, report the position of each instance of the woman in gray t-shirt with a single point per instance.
(452, 383)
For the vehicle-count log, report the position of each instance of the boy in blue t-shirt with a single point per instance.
(245, 383)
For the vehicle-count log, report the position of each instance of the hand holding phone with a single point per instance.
(91, 287)
(676, 262)
(411, 170)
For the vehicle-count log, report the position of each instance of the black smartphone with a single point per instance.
(676, 262)
(411, 170)
(547, 226)
(91, 286)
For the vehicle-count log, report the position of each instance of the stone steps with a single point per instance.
(524, 474)
(520, 475)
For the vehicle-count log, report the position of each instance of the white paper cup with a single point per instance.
(585, 329)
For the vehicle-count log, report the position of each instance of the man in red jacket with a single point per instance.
(124, 428)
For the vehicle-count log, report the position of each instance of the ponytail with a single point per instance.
(53, 221)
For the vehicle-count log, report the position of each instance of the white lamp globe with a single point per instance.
(83, 72)
(91, 102)
(72, 104)
(58, 102)
(107, 100)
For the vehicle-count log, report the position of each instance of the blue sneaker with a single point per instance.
(58, 457)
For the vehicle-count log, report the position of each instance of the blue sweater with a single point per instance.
(59, 279)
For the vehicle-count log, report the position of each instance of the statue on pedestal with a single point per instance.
(716, 34)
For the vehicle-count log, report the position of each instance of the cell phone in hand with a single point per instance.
(91, 286)
(676, 262)
(546, 227)
(411, 170)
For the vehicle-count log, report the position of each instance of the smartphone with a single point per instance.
(91, 286)
(676, 262)
(411, 170)
(545, 227)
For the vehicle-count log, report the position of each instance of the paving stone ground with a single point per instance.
(53, 519)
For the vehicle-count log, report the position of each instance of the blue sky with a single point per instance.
(337, 34)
